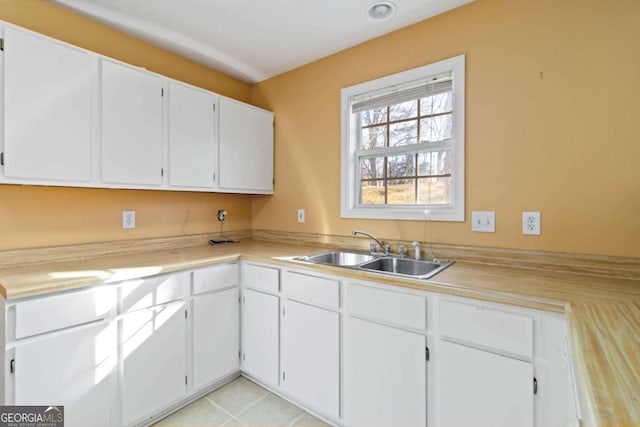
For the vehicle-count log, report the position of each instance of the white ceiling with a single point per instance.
(255, 39)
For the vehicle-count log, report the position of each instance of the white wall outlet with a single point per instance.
(300, 215)
(483, 221)
(531, 223)
(128, 219)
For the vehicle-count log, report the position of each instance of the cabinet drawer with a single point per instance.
(62, 311)
(311, 289)
(487, 327)
(388, 306)
(144, 293)
(260, 277)
(215, 277)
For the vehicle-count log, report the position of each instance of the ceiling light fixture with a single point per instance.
(381, 10)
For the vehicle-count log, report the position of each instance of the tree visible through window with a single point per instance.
(419, 175)
(403, 144)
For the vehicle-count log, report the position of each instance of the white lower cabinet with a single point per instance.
(483, 389)
(385, 376)
(311, 356)
(216, 336)
(260, 336)
(353, 353)
(73, 369)
(154, 359)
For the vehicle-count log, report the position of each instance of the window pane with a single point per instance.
(401, 192)
(372, 167)
(372, 192)
(404, 133)
(402, 165)
(374, 116)
(403, 110)
(435, 104)
(373, 137)
(434, 191)
(434, 163)
(436, 128)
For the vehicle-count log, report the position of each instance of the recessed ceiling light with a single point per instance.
(381, 10)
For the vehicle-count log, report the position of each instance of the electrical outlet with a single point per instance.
(221, 215)
(531, 223)
(128, 219)
(300, 215)
(483, 221)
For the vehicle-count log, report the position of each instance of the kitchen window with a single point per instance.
(403, 145)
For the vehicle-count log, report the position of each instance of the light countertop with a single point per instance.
(603, 313)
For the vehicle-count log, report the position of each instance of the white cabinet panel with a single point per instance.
(131, 125)
(385, 376)
(261, 277)
(70, 369)
(54, 312)
(482, 389)
(216, 336)
(246, 147)
(260, 333)
(487, 327)
(155, 290)
(192, 136)
(154, 359)
(387, 306)
(215, 277)
(312, 289)
(311, 357)
(47, 108)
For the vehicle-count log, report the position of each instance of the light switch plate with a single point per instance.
(483, 221)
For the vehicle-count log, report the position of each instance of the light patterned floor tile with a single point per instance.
(271, 411)
(237, 395)
(309, 420)
(200, 413)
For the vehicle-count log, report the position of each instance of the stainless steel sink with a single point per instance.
(406, 267)
(338, 258)
(395, 266)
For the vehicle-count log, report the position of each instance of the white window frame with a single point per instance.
(349, 207)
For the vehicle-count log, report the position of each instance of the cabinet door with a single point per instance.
(260, 336)
(216, 336)
(311, 357)
(385, 371)
(131, 125)
(192, 136)
(246, 147)
(479, 388)
(47, 109)
(71, 369)
(154, 359)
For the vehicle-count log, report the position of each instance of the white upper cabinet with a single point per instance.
(47, 109)
(192, 136)
(131, 125)
(75, 118)
(246, 148)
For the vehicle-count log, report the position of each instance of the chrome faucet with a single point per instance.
(417, 253)
(384, 246)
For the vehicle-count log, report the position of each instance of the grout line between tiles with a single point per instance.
(292, 423)
(243, 410)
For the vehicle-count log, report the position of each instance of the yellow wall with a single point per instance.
(43, 216)
(566, 143)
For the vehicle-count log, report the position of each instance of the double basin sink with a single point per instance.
(385, 264)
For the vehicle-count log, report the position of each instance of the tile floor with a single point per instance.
(241, 403)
